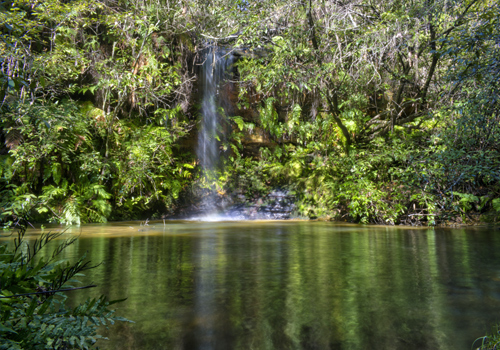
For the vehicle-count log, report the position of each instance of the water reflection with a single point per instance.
(203, 335)
(294, 285)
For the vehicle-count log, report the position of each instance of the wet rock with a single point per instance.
(277, 205)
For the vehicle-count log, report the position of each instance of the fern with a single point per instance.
(71, 212)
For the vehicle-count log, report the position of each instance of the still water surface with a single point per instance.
(293, 285)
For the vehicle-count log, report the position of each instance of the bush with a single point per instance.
(32, 300)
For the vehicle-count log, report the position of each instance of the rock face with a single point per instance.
(228, 98)
(224, 94)
(277, 205)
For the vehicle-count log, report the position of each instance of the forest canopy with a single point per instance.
(384, 112)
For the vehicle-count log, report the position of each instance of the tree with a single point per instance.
(80, 159)
(356, 98)
(368, 67)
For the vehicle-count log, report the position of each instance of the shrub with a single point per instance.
(32, 300)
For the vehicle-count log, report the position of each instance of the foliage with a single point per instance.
(391, 181)
(383, 113)
(366, 67)
(112, 157)
(490, 341)
(32, 299)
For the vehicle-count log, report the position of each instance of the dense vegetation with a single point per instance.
(32, 298)
(381, 112)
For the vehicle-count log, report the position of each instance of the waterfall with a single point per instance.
(216, 69)
(216, 104)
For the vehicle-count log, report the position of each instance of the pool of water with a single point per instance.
(292, 284)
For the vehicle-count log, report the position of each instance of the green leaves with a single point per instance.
(466, 200)
(33, 312)
(239, 121)
(56, 172)
(496, 204)
(52, 47)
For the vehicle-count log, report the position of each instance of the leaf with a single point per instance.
(32, 307)
(45, 306)
(56, 172)
(496, 204)
(4, 329)
(239, 121)
(116, 301)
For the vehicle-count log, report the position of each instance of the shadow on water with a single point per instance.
(293, 285)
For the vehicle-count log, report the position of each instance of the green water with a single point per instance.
(293, 285)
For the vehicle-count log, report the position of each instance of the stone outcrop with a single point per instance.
(229, 99)
(277, 205)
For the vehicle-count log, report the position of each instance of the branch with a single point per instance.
(229, 37)
(458, 22)
(46, 292)
(333, 106)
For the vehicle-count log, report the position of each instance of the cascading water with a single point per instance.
(215, 87)
(215, 70)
